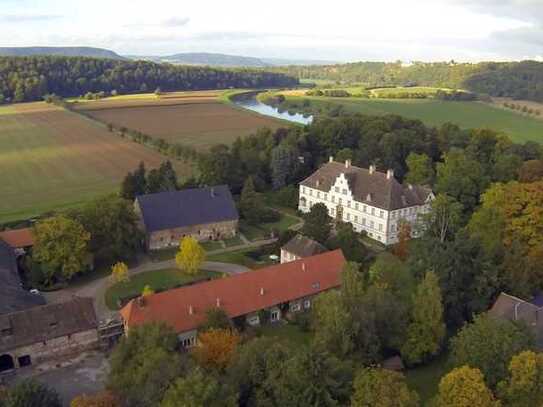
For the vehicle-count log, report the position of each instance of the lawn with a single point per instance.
(264, 230)
(425, 379)
(251, 258)
(436, 112)
(52, 159)
(198, 119)
(287, 332)
(159, 280)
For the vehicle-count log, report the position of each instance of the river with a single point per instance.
(248, 101)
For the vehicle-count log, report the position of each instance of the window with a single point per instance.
(339, 201)
(325, 197)
(274, 316)
(344, 191)
(24, 360)
(356, 218)
(303, 190)
(254, 320)
(380, 227)
(364, 208)
(349, 204)
(372, 224)
(348, 215)
(310, 192)
(373, 211)
(189, 342)
(356, 205)
(307, 304)
(336, 189)
(295, 307)
(364, 221)
(381, 214)
(333, 198)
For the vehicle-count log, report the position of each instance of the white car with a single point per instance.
(34, 291)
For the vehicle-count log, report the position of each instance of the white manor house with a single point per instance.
(370, 200)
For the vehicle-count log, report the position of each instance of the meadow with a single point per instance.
(196, 119)
(436, 112)
(53, 159)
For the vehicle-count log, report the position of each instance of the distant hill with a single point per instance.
(59, 51)
(224, 60)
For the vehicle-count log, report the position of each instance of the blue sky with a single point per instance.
(464, 30)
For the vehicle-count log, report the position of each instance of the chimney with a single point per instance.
(390, 174)
(347, 163)
(191, 310)
(372, 169)
(368, 197)
(262, 291)
(218, 302)
(331, 159)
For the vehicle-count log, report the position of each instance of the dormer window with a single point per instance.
(336, 189)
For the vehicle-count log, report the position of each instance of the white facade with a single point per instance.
(287, 257)
(379, 224)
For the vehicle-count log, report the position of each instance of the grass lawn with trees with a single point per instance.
(246, 257)
(288, 332)
(159, 280)
(425, 379)
(436, 112)
(264, 230)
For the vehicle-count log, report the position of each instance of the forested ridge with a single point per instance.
(520, 80)
(30, 78)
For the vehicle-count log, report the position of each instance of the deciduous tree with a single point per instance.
(444, 218)
(191, 255)
(147, 290)
(426, 331)
(31, 393)
(531, 170)
(216, 348)
(216, 318)
(119, 273)
(61, 245)
(465, 387)
(420, 170)
(524, 386)
(375, 387)
(318, 224)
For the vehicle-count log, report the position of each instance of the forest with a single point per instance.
(519, 80)
(24, 79)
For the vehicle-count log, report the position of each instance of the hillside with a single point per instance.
(59, 51)
(519, 80)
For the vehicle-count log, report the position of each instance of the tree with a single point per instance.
(113, 226)
(216, 318)
(524, 386)
(462, 178)
(309, 378)
(61, 245)
(531, 170)
(147, 291)
(420, 170)
(444, 218)
(317, 224)
(140, 180)
(489, 344)
(153, 182)
(191, 255)
(464, 387)
(129, 187)
(103, 399)
(30, 393)
(144, 364)
(250, 204)
(198, 389)
(216, 348)
(119, 273)
(284, 159)
(349, 242)
(376, 387)
(390, 273)
(426, 331)
(401, 249)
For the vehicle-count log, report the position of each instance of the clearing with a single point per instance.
(196, 119)
(436, 112)
(53, 159)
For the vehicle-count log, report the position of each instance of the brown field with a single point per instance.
(197, 120)
(51, 158)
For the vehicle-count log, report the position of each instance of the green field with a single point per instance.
(158, 280)
(52, 159)
(435, 113)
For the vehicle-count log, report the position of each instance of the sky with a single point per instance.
(340, 30)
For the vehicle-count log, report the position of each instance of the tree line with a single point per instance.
(25, 79)
(518, 80)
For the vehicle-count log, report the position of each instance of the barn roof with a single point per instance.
(189, 207)
(185, 308)
(303, 246)
(371, 187)
(47, 322)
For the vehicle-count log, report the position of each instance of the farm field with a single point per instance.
(196, 119)
(53, 159)
(435, 113)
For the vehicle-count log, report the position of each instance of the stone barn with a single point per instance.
(47, 332)
(203, 213)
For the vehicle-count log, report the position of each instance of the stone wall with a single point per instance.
(56, 348)
(211, 231)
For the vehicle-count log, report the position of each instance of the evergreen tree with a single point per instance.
(153, 182)
(129, 187)
(427, 329)
(168, 177)
(250, 204)
(140, 181)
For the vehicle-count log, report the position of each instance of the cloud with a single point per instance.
(172, 22)
(523, 10)
(26, 18)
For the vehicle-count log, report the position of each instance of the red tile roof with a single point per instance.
(18, 238)
(239, 294)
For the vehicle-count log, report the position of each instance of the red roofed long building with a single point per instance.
(280, 289)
